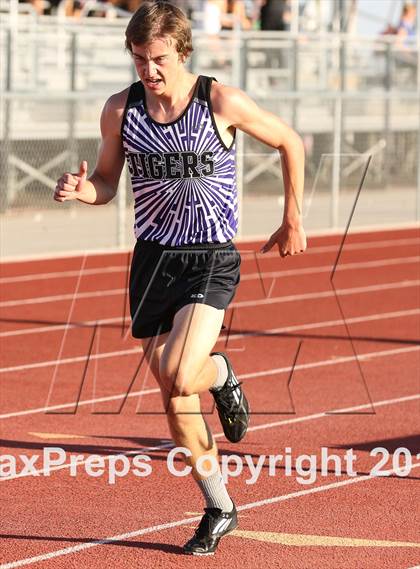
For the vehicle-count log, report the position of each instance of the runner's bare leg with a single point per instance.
(182, 358)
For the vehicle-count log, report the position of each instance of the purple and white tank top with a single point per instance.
(182, 174)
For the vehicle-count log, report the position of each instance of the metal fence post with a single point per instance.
(418, 116)
(243, 62)
(295, 75)
(294, 25)
(241, 59)
(418, 172)
(72, 142)
(335, 187)
(387, 129)
(6, 177)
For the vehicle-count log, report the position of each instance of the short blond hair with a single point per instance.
(158, 19)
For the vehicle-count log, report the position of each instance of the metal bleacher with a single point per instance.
(346, 93)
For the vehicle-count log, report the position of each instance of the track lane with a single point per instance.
(308, 389)
(252, 317)
(352, 500)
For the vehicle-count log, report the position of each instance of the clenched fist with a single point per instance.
(70, 186)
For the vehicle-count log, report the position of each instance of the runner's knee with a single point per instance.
(182, 415)
(178, 379)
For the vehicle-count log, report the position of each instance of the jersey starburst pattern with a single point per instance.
(182, 174)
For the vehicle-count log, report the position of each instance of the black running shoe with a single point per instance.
(232, 405)
(214, 525)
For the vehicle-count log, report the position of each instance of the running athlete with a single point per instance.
(176, 130)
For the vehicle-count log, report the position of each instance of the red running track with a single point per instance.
(329, 369)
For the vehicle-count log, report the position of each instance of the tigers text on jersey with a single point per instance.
(182, 174)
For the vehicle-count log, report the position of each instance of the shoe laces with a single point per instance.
(227, 402)
(205, 525)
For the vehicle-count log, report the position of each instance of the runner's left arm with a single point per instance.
(243, 113)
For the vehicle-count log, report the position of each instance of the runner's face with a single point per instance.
(158, 64)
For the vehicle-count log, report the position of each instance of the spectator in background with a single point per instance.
(212, 22)
(72, 8)
(43, 7)
(404, 33)
(275, 15)
(225, 15)
(406, 28)
(234, 15)
(405, 55)
(253, 8)
(38, 5)
(127, 5)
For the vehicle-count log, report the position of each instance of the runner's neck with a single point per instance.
(168, 106)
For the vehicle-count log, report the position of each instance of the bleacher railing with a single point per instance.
(348, 97)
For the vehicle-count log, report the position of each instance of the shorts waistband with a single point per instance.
(193, 246)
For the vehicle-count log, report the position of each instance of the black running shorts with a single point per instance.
(163, 279)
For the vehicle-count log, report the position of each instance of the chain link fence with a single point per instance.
(347, 97)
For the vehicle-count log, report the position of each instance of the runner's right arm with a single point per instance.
(102, 184)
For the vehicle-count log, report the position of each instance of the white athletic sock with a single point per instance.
(215, 493)
(222, 372)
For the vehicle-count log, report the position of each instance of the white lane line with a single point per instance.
(242, 376)
(177, 523)
(283, 422)
(63, 274)
(245, 277)
(333, 485)
(265, 373)
(325, 294)
(121, 291)
(329, 323)
(246, 256)
(363, 245)
(81, 403)
(335, 412)
(55, 327)
(156, 390)
(330, 362)
(119, 320)
(62, 297)
(275, 424)
(328, 268)
(232, 337)
(73, 360)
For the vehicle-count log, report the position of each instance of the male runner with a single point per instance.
(177, 132)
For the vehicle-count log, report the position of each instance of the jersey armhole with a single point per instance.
(213, 120)
(135, 94)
